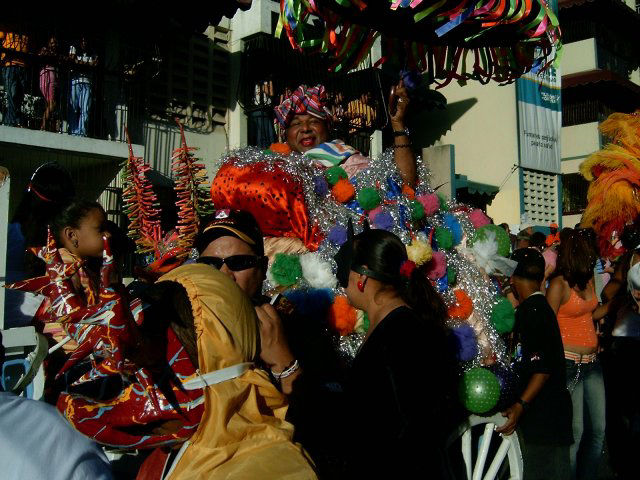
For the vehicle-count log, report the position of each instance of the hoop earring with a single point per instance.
(361, 286)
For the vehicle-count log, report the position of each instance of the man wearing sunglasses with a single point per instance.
(231, 241)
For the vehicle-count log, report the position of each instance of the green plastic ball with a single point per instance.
(335, 174)
(504, 242)
(417, 210)
(503, 316)
(479, 390)
(369, 198)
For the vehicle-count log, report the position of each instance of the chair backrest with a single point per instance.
(25, 350)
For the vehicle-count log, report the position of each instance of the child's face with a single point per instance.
(89, 234)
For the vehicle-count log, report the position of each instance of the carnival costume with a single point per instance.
(614, 173)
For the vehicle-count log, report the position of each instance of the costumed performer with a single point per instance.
(270, 193)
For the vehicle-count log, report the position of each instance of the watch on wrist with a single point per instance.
(401, 133)
(525, 405)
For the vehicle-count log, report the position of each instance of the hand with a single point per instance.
(513, 414)
(398, 103)
(274, 348)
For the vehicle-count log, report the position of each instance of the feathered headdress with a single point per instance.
(614, 173)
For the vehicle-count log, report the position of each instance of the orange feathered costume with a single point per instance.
(614, 173)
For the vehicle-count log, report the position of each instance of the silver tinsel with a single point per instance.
(327, 213)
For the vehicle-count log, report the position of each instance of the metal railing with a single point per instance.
(75, 95)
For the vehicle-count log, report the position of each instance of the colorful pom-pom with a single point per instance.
(408, 192)
(437, 267)
(372, 213)
(442, 200)
(343, 191)
(452, 275)
(465, 343)
(463, 308)
(281, 148)
(369, 198)
(444, 238)
(407, 268)
(337, 235)
(311, 303)
(478, 218)
(430, 203)
(317, 272)
(452, 223)
(383, 221)
(417, 210)
(335, 174)
(503, 316)
(342, 316)
(286, 269)
(320, 186)
(504, 242)
(419, 252)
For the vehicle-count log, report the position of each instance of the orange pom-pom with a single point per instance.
(463, 306)
(342, 316)
(282, 148)
(408, 192)
(343, 191)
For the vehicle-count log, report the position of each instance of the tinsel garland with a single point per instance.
(140, 203)
(193, 200)
(381, 174)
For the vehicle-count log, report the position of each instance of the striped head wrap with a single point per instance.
(309, 100)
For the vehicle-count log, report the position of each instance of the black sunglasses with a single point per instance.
(234, 262)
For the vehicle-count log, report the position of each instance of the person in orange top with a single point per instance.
(554, 236)
(572, 297)
(13, 75)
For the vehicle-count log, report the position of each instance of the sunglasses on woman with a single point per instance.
(234, 263)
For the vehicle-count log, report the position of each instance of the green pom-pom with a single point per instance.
(417, 210)
(444, 238)
(452, 275)
(286, 269)
(443, 202)
(504, 242)
(503, 316)
(369, 198)
(335, 174)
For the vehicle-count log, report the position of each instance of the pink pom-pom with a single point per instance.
(430, 203)
(374, 212)
(478, 218)
(437, 267)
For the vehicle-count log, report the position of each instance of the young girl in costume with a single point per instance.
(78, 230)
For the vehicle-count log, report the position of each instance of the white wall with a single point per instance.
(579, 56)
(486, 142)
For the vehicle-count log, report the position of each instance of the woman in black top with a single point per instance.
(400, 390)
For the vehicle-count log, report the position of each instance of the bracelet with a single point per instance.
(401, 133)
(287, 372)
(403, 145)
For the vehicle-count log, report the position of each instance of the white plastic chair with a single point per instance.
(507, 451)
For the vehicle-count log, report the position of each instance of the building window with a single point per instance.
(574, 194)
(540, 196)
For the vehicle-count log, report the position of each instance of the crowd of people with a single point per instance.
(61, 72)
(277, 399)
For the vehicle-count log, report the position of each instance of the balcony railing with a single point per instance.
(76, 95)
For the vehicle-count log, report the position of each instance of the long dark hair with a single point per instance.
(383, 253)
(577, 257)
